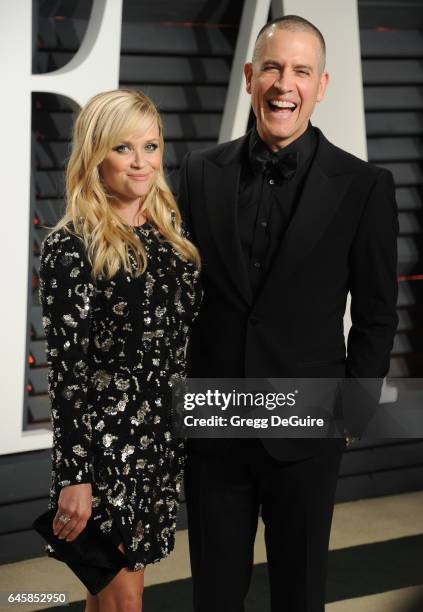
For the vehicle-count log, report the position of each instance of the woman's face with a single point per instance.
(129, 169)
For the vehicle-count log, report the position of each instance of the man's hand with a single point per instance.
(75, 503)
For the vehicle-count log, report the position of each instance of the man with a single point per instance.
(286, 224)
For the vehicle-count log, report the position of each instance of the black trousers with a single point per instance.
(224, 494)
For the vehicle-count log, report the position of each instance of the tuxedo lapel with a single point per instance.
(221, 188)
(317, 205)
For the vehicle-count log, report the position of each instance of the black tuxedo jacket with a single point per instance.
(341, 238)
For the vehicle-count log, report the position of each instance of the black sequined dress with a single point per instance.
(114, 348)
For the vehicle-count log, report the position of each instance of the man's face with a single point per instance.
(285, 82)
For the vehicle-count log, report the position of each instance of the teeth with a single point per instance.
(283, 104)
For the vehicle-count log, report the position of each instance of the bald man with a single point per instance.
(286, 224)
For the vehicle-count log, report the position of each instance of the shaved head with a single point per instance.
(290, 23)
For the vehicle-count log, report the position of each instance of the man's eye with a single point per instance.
(270, 69)
(151, 146)
(122, 148)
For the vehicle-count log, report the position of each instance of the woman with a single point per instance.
(119, 287)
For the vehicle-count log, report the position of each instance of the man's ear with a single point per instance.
(248, 72)
(324, 80)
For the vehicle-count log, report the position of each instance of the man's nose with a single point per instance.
(284, 82)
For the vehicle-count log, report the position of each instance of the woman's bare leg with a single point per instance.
(124, 592)
(92, 603)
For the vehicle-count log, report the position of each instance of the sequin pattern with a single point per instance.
(114, 348)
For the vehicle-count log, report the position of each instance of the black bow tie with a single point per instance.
(267, 162)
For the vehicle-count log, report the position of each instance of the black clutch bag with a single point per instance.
(92, 556)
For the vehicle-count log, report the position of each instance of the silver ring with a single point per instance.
(64, 518)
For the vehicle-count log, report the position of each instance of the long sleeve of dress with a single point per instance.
(66, 292)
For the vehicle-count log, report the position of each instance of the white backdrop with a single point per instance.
(94, 68)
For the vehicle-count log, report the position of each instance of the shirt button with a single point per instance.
(263, 223)
(271, 182)
(257, 264)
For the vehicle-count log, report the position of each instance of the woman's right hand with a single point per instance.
(75, 501)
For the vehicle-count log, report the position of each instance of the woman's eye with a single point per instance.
(122, 148)
(151, 146)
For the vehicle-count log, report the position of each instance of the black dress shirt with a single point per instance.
(267, 201)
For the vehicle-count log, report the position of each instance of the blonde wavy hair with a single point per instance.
(106, 120)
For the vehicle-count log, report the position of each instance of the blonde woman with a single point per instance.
(119, 290)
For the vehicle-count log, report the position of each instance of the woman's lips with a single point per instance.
(139, 177)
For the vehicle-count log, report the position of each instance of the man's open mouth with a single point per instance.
(281, 105)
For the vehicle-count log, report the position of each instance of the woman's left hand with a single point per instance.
(75, 505)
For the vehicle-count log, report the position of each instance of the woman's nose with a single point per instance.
(138, 160)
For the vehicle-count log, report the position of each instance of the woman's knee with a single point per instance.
(91, 604)
(124, 593)
(121, 601)
(129, 603)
